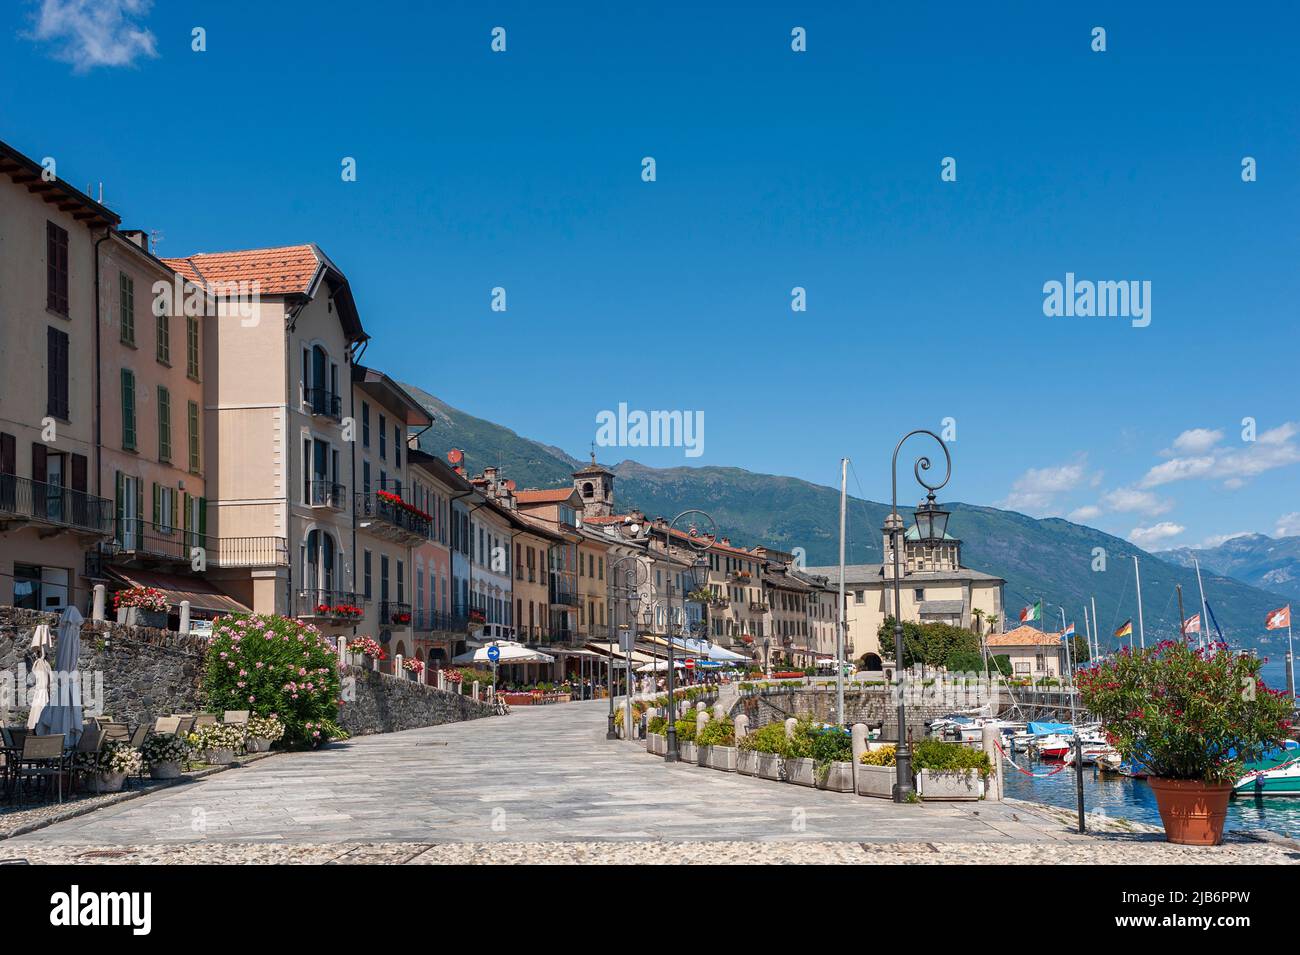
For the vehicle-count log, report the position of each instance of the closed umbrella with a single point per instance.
(63, 715)
(39, 694)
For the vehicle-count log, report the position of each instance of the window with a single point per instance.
(56, 269)
(383, 578)
(365, 424)
(859, 596)
(918, 594)
(397, 446)
(365, 476)
(128, 410)
(401, 582)
(164, 508)
(56, 378)
(383, 438)
(192, 347)
(164, 424)
(193, 418)
(126, 307)
(164, 350)
(366, 563)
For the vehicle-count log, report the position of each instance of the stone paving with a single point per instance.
(490, 790)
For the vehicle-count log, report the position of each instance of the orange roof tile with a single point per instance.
(544, 496)
(288, 270)
(1023, 636)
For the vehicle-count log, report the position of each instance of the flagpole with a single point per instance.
(1087, 631)
(1205, 617)
(1069, 669)
(1142, 631)
(1290, 654)
(1182, 617)
(1096, 630)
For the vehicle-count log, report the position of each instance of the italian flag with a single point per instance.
(1034, 612)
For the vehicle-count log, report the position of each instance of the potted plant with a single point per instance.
(107, 770)
(948, 771)
(832, 754)
(877, 772)
(797, 764)
(414, 667)
(359, 648)
(262, 731)
(218, 743)
(141, 607)
(163, 754)
(769, 744)
(686, 738)
(717, 743)
(1192, 718)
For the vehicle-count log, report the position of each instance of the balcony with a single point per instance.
(145, 544)
(324, 493)
(331, 606)
(740, 577)
(563, 598)
(394, 614)
(24, 501)
(719, 602)
(758, 606)
(324, 403)
(386, 515)
(435, 621)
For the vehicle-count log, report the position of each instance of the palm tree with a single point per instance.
(993, 622)
(979, 621)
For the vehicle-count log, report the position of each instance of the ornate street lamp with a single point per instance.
(699, 544)
(928, 517)
(631, 595)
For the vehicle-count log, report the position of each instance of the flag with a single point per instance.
(1069, 632)
(1126, 629)
(1034, 612)
(1192, 624)
(1278, 619)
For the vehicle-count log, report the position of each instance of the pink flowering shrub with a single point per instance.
(274, 666)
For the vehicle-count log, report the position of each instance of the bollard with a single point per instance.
(97, 613)
(790, 724)
(719, 711)
(343, 651)
(742, 727)
(859, 737)
(185, 617)
(476, 691)
(701, 717)
(989, 739)
(701, 706)
(397, 664)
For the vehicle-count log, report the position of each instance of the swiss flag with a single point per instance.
(1279, 619)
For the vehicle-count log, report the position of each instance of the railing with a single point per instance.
(438, 620)
(563, 598)
(325, 493)
(54, 504)
(375, 505)
(139, 539)
(396, 614)
(720, 603)
(322, 401)
(757, 606)
(329, 604)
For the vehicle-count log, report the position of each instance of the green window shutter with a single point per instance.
(164, 352)
(119, 509)
(185, 515)
(176, 518)
(139, 508)
(203, 518)
(128, 410)
(164, 424)
(192, 347)
(157, 514)
(126, 287)
(194, 435)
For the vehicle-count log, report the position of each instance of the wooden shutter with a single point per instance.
(56, 268)
(79, 472)
(128, 409)
(38, 462)
(139, 511)
(176, 518)
(8, 454)
(157, 514)
(119, 507)
(203, 520)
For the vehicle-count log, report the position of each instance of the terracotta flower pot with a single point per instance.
(1193, 811)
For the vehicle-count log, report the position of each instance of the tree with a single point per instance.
(1080, 652)
(930, 644)
(979, 621)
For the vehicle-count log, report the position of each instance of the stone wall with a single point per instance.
(144, 673)
(874, 706)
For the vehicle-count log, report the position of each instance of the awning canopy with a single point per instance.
(201, 594)
(614, 650)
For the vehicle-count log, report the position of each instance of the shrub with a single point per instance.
(265, 727)
(940, 756)
(273, 665)
(164, 749)
(657, 725)
(1184, 712)
(115, 756)
(768, 739)
(884, 756)
(718, 733)
(685, 730)
(218, 736)
(830, 744)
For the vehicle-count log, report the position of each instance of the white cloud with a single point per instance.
(91, 33)
(1233, 465)
(1288, 525)
(1089, 512)
(1132, 500)
(1148, 537)
(1035, 492)
(1214, 540)
(1195, 441)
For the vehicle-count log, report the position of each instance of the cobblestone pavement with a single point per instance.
(490, 790)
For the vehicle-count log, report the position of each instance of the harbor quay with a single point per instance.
(546, 786)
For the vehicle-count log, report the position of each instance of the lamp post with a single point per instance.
(767, 667)
(694, 577)
(630, 594)
(931, 523)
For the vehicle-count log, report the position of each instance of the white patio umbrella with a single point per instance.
(511, 652)
(659, 666)
(63, 715)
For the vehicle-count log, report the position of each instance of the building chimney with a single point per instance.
(136, 236)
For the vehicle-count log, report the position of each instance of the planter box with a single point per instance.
(139, 617)
(219, 757)
(839, 778)
(769, 766)
(723, 758)
(747, 762)
(690, 753)
(105, 782)
(165, 770)
(876, 781)
(951, 784)
(255, 744)
(802, 771)
(705, 754)
(656, 744)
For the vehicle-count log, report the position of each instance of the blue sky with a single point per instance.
(775, 169)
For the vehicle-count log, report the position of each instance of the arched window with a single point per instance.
(588, 490)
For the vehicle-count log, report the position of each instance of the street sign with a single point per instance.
(690, 664)
(626, 640)
(494, 654)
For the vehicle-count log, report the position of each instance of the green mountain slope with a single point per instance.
(1270, 563)
(1051, 558)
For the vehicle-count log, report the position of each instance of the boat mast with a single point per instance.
(839, 614)
(1142, 632)
(1096, 630)
(1205, 616)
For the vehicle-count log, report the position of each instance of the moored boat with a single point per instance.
(1277, 774)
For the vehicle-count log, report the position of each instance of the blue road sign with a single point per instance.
(494, 654)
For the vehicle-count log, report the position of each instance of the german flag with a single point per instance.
(1126, 629)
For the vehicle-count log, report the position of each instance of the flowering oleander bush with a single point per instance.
(164, 748)
(218, 736)
(143, 598)
(273, 665)
(265, 727)
(1184, 712)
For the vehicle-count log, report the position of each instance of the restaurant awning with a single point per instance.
(613, 649)
(201, 594)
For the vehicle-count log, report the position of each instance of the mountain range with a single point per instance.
(1270, 563)
(1062, 562)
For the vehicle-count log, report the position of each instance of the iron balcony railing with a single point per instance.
(324, 493)
(563, 597)
(144, 540)
(324, 402)
(437, 620)
(378, 505)
(393, 613)
(55, 505)
(337, 605)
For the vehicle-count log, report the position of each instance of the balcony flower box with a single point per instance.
(769, 766)
(800, 770)
(723, 758)
(877, 781)
(949, 784)
(747, 762)
(837, 777)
